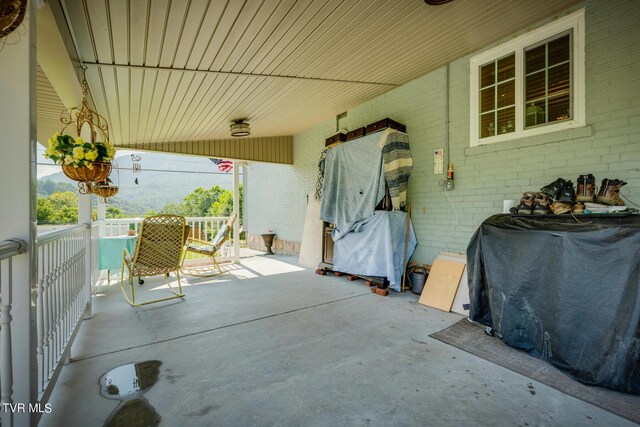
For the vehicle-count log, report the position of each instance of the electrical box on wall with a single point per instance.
(438, 161)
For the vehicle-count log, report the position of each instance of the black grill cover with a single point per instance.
(567, 293)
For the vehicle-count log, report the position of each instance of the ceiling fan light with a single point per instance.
(239, 128)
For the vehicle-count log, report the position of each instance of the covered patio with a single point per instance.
(272, 343)
(509, 94)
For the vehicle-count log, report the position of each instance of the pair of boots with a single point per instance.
(609, 193)
(540, 204)
(560, 196)
(563, 196)
(534, 203)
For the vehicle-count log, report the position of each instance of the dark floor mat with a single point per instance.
(471, 338)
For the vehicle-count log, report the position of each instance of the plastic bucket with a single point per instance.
(417, 279)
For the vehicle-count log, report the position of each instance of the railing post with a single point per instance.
(236, 211)
(6, 364)
(18, 204)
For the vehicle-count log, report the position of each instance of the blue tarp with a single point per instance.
(353, 183)
(375, 247)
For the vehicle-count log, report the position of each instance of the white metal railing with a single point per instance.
(8, 249)
(201, 227)
(63, 297)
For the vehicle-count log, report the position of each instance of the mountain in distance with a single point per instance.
(163, 178)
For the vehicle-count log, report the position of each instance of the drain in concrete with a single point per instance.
(127, 383)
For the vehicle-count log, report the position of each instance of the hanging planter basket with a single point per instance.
(11, 15)
(100, 172)
(104, 191)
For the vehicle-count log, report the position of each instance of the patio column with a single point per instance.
(18, 204)
(236, 211)
(245, 183)
(102, 216)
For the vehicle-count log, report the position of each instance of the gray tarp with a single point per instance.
(353, 183)
(567, 293)
(375, 247)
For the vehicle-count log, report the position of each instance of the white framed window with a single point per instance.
(530, 85)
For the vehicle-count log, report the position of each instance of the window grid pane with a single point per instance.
(548, 101)
(497, 97)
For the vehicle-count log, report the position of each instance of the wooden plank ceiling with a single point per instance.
(48, 106)
(167, 71)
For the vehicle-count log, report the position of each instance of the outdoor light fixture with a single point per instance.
(239, 128)
(436, 2)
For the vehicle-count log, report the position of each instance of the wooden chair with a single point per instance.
(157, 253)
(209, 249)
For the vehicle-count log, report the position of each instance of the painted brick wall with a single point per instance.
(608, 147)
(277, 194)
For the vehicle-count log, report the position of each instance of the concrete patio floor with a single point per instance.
(274, 344)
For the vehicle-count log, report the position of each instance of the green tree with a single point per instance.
(45, 210)
(200, 200)
(58, 208)
(215, 201)
(114, 212)
(65, 199)
(172, 208)
(46, 187)
(224, 205)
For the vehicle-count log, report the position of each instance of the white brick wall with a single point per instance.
(277, 194)
(609, 147)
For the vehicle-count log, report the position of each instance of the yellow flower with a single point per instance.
(50, 150)
(55, 136)
(79, 141)
(111, 150)
(90, 166)
(91, 155)
(78, 153)
(68, 160)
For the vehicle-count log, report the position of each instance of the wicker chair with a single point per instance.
(209, 249)
(157, 253)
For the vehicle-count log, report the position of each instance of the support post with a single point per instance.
(18, 207)
(236, 210)
(84, 217)
(245, 186)
(102, 216)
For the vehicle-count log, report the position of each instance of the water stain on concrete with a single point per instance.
(134, 413)
(128, 383)
(205, 410)
(532, 389)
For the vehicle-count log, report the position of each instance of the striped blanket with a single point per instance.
(398, 163)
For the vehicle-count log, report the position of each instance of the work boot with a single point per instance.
(578, 209)
(526, 203)
(567, 194)
(541, 204)
(586, 188)
(561, 207)
(609, 193)
(552, 190)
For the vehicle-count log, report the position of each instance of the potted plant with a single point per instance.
(81, 160)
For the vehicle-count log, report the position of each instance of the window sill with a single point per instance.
(531, 141)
